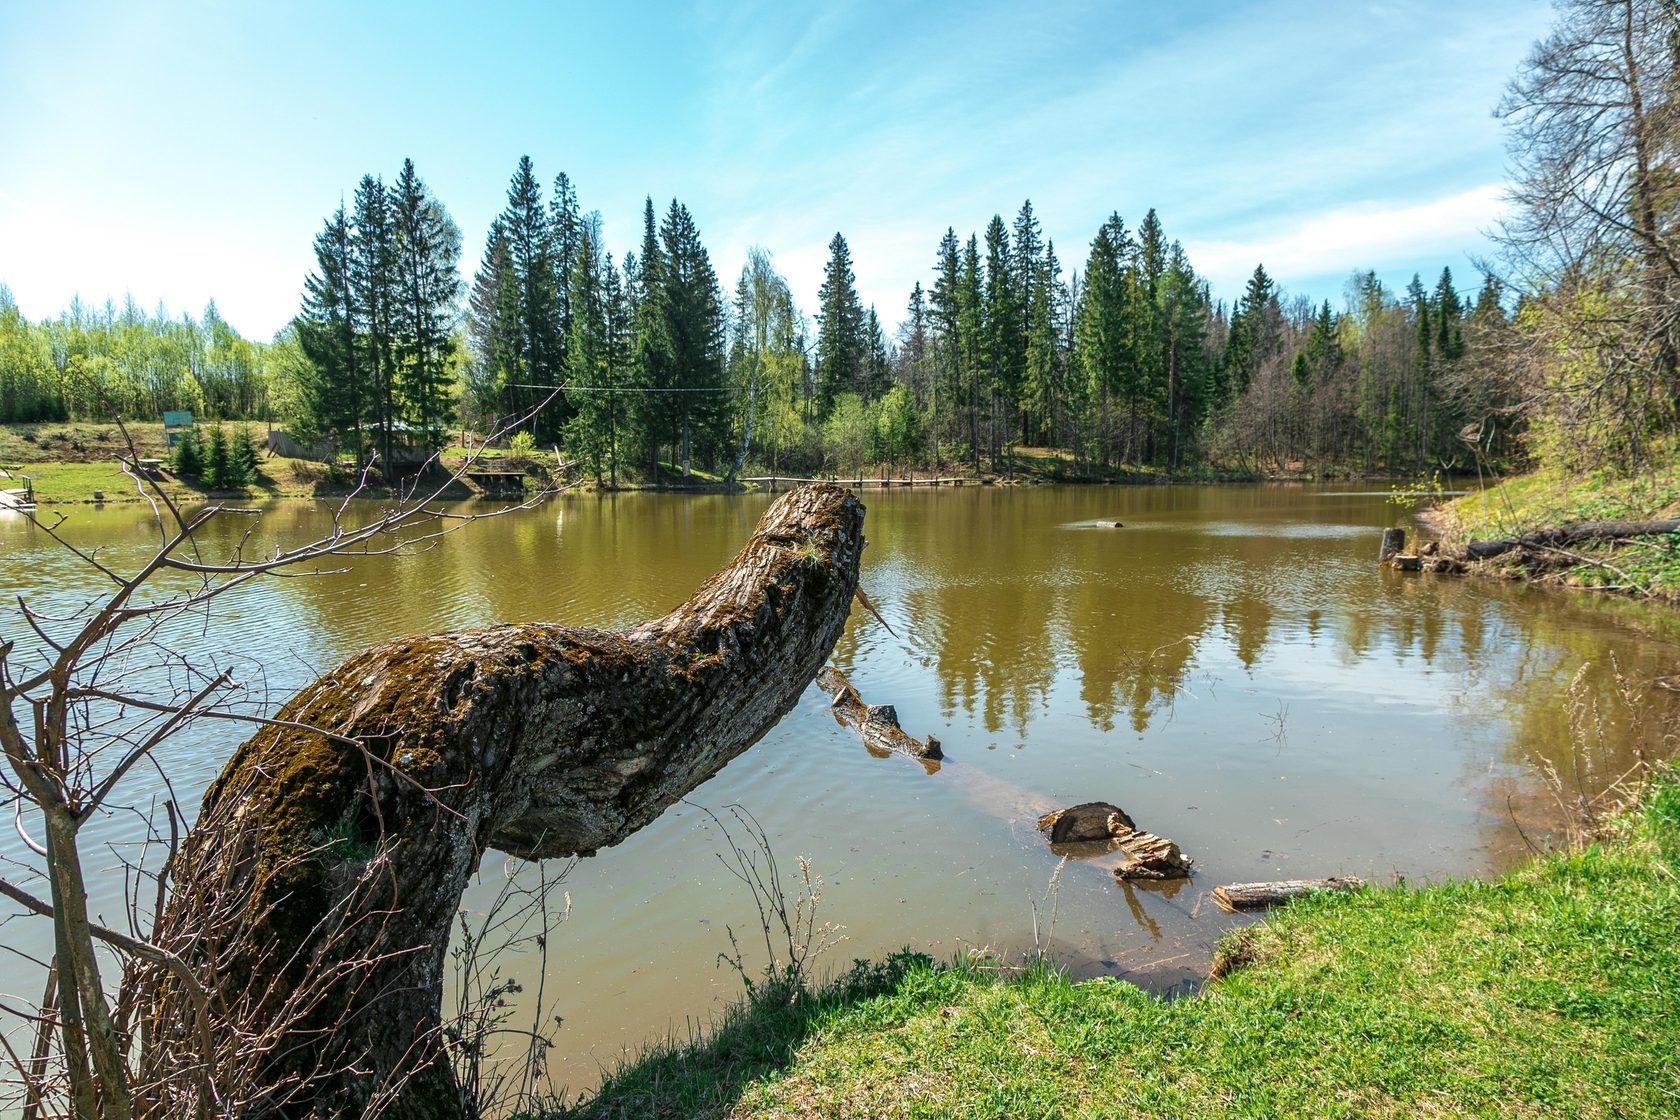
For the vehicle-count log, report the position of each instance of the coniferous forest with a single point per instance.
(1118, 358)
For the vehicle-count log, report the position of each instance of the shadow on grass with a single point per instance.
(705, 1076)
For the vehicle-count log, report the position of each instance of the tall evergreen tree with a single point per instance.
(337, 395)
(840, 337)
(536, 292)
(428, 253)
(373, 276)
(694, 317)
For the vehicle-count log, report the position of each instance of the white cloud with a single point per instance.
(1365, 235)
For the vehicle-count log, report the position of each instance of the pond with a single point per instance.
(1230, 667)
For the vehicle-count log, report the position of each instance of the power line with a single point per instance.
(611, 389)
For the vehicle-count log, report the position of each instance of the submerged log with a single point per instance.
(1259, 896)
(876, 724)
(1584, 533)
(316, 892)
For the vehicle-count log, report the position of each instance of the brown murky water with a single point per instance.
(1230, 667)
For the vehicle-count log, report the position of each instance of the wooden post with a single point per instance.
(1393, 541)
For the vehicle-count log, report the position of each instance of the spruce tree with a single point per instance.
(241, 459)
(427, 258)
(840, 341)
(654, 363)
(373, 277)
(216, 473)
(337, 394)
(694, 327)
(189, 458)
(535, 297)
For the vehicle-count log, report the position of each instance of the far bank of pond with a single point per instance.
(1231, 667)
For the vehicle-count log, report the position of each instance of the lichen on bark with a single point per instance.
(317, 890)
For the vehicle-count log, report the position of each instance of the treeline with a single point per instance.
(1128, 363)
(98, 361)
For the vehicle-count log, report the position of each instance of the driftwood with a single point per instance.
(1259, 896)
(1100, 828)
(318, 887)
(1564, 537)
(876, 724)
(1151, 857)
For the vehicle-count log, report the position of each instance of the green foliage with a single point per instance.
(189, 457)
(521, 446)
(1547, 992)
(215, 473)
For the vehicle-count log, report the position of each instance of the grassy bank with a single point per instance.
(1548, 498)
(68, 463)
(1553, 991)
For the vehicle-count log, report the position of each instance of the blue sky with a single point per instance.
(181, 151)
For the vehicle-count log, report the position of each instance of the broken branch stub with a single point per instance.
(317, 889)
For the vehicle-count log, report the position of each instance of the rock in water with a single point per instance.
(1094, 820)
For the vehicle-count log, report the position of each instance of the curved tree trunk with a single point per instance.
(320, 882)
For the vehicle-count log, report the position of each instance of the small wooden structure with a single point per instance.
(498, 481)
(858, 482)
(17, 498)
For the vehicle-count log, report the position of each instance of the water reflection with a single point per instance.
(1230, 667)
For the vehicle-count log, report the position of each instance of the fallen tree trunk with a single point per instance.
(1568, 535)
(1259, 896)
(316, 892)
(876, 724)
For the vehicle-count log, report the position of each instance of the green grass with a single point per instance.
(1546, 498)
(1553, 991)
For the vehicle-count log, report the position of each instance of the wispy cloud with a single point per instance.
(1375, 235)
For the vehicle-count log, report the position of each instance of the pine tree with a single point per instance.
(840, 338)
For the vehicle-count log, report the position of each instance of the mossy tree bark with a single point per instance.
(321, 880)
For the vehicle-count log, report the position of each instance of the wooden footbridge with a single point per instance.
(858, 482)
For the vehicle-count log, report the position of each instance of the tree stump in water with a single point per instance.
(1393, 542)
(316, 892)
(1092, 821)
